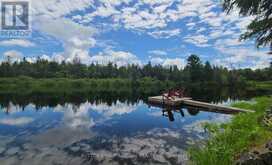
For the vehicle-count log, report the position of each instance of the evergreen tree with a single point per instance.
(194, 66)
(260, 27)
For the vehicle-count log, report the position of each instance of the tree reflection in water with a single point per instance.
(99, 128)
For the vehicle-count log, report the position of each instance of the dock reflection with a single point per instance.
(169, 112)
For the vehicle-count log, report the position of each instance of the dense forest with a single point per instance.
(195, 71)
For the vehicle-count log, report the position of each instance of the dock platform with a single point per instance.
(186, 101)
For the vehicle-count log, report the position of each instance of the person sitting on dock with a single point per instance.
(173, 93)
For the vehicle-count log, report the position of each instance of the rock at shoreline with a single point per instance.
(262, 156)
(267, 119)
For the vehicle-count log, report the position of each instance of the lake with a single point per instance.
(40, 129)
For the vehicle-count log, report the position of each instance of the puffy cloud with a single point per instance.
(168, 62)
(180, 63)
(45, 57)
(57, 8)
(82, 43)
(156, 61)
(13, 55)
(242, 58)
(58, 58)
(50, 19)
(198, 40)
(74, 35)
(165, 33)
(228, 42)
(76, 38)
(120, 58)
(76, 26)
(17, 42)
(157, 52)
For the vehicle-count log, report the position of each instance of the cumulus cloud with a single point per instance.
(180, 63)
(242, 58)
(76, 38)
(228, 42)
(168, 62)
(204, 21)
(198, 40)
(165, 33)
(157, 52)
(17, 42)
(156, 60)
(13, 55)
(57, 8)
(50, 19)
(120, 58)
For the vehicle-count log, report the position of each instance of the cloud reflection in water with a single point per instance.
(80, 134)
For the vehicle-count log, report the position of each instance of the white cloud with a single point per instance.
(120, 58)
(81, 54)
(82, 43)
(228, 42)
(76, 39)
(157, 61)
(45, 57)
(242, 57)
(180, 63)
(105, 10)
(55, 57)
(31, 59)
(57, 8)
(17, 42)
(198, 40)
(49, 17)
(78, 32)
(13, 55)
(58, 58)
(167, 62)
(165, 33)
(157, 52)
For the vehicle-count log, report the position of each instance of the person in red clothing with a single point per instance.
(173, 93)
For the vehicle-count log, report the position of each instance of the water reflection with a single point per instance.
(203, 93)
(96, 132)
(169, 112)
(103, 128)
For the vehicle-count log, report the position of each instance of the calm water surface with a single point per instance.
(96, 132)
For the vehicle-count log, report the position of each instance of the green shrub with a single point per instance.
(242, 133)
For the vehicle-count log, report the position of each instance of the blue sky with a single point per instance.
(164, 32)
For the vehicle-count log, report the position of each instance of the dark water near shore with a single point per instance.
(100, 129)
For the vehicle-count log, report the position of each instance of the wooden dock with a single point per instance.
(179, 102)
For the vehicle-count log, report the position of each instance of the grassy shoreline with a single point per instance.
(65, 85)
(59, 88)
(261, 85)
(28, 84)
(242, 133)
(229, 140)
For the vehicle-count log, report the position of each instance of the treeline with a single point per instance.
(195, 71)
